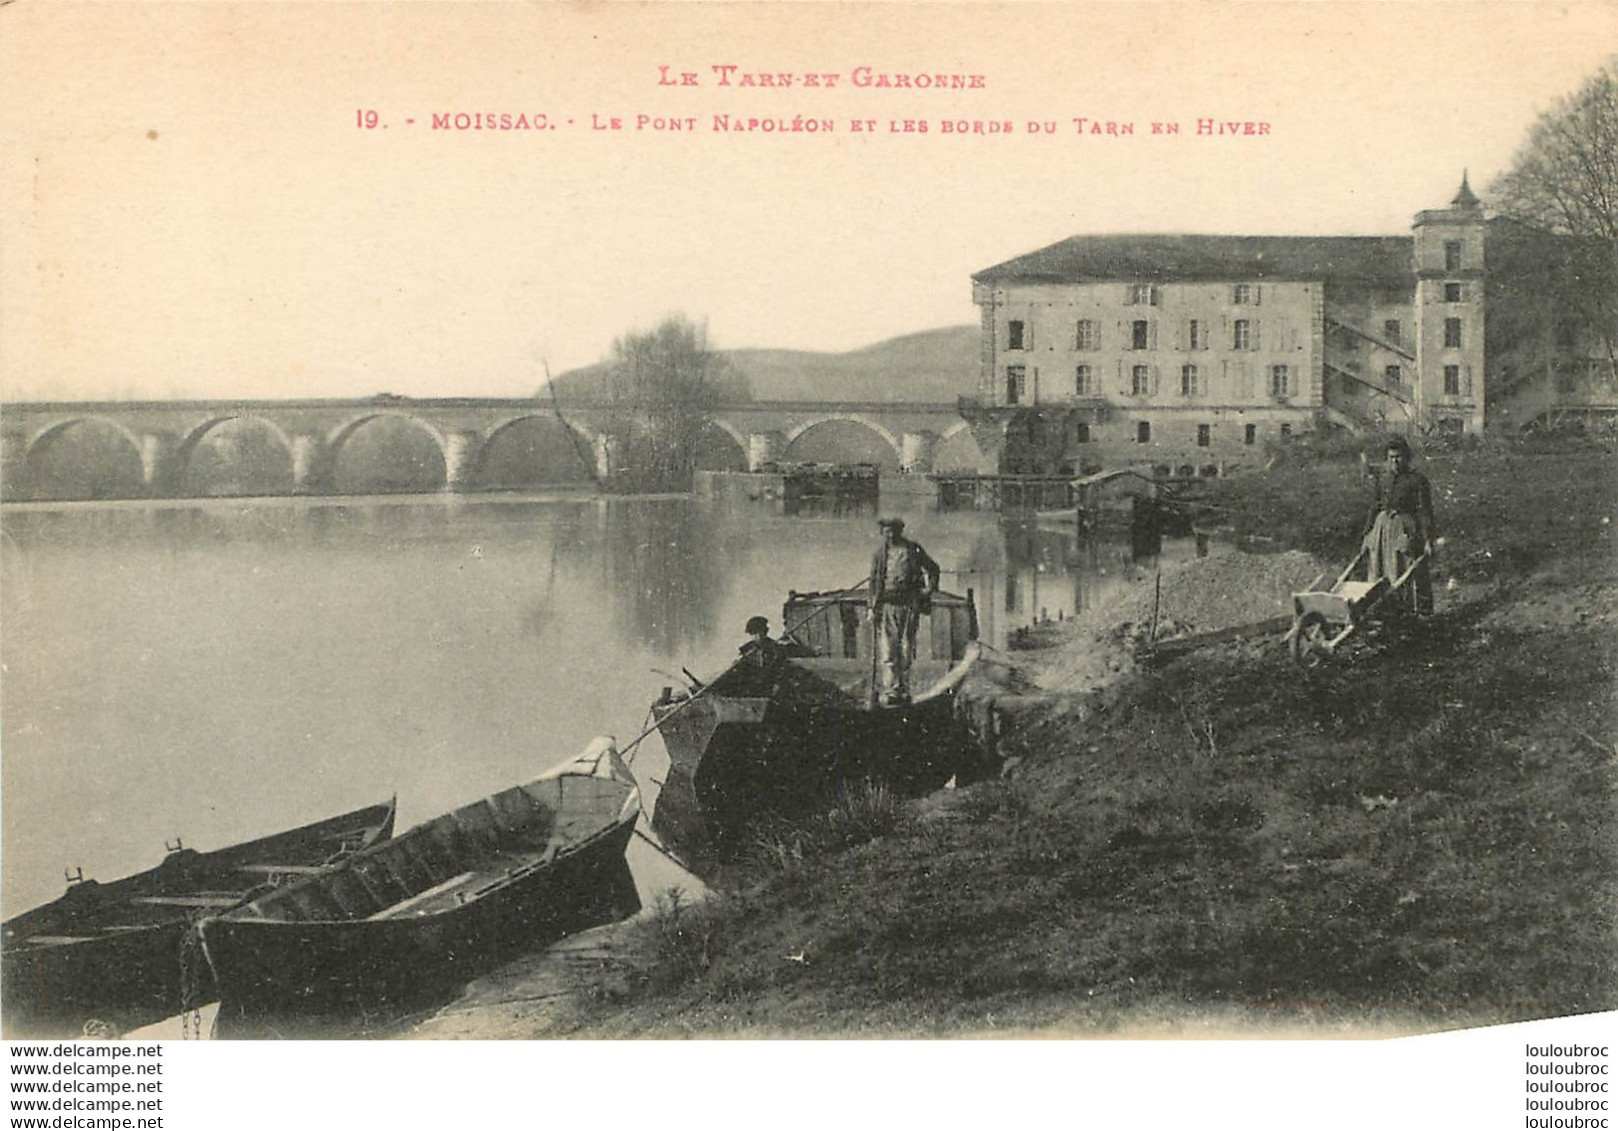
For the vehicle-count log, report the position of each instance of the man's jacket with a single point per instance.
(903, 574)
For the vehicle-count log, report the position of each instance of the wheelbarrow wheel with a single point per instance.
(1308, 643)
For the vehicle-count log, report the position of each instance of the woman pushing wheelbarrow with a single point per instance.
(1395, 555)
(1399, 533)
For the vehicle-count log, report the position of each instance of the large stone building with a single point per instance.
(1193, 350)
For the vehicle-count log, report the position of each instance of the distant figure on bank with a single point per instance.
(904, 578)
(1400, 528)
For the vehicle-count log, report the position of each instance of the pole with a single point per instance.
(870, 697)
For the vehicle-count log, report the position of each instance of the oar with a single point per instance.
(705, 688)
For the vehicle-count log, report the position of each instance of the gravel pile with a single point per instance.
(1202, 595)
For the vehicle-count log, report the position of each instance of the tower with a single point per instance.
(1448, 253)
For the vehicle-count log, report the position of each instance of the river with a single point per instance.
(214, 670)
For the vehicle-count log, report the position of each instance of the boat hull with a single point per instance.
(736, 760)
(331, 979)
(124, 954)
(399, 927)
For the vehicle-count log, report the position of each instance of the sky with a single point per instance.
(194, 203)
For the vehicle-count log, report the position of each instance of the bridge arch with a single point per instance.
(796, 434)
(568, 456)
(730, 430)
(117, 477)
(393, 468)
(720, 447)
(274, 481)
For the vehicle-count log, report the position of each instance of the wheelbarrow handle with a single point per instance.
(1405, 576)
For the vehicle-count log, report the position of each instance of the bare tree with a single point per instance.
(665, 385)
(1562, 183)
(1565, 176)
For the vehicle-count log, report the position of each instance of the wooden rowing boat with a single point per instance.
(116, 952)
(402, 923)
(787, 741)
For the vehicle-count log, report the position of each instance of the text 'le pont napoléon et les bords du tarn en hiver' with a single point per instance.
(671, 117)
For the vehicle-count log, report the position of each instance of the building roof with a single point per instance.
(1466, 198)
(1187, 259)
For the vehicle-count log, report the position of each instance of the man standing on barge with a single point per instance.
(904, 578)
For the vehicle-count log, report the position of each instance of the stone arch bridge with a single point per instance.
(160, 445)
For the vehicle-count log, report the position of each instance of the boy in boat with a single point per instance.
(761, 660)
(758, 651)
(1400, 528)
(904, 578)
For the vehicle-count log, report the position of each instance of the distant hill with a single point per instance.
(934, 365)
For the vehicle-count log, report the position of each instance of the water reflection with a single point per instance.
(222, 668)
(670, 568)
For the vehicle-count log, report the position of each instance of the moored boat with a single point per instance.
(787, 740)
(117, 952)
(397, 925)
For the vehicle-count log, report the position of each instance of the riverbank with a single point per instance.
(1418, 835)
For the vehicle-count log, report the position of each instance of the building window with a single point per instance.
(1454, 292)
(1016, 339)
(1088, 336)
(1084, 384)
(1452, 255)
(1204, 435)
(1241, 337)
(1016, 383)
(1142, 294)
(1249, 434)
(1390, 328)
(1241, 294)
(1393, 375)
(1190, 381)
(1452, 380)
(1280, 380)
(1140, 332)
(1081, 432)
(1140, 381)
(1286, 430)
(1195, 337)
(1452, 333)
(1143, 432)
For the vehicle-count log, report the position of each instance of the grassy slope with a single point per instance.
(934, 365)
(1419, 835)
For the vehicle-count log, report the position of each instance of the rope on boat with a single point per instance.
(658, 847)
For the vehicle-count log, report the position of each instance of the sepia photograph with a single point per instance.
(809, 522)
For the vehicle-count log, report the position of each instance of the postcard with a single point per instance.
(1067, 543)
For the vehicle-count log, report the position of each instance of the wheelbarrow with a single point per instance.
(1323, 620)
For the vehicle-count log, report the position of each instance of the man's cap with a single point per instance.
(757, 625)
(1399, 444)
(891, 523)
